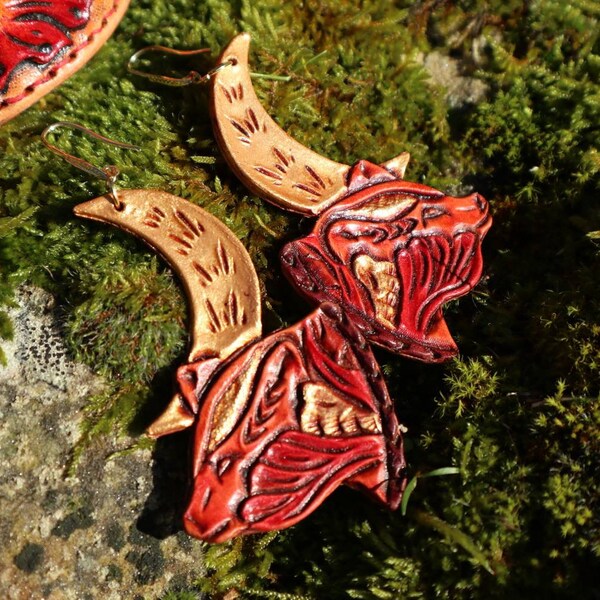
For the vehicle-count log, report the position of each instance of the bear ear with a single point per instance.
(365, 173)
(397, 165)
(176, 417)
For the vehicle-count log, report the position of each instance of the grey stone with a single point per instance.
(446, 71)
(111, 530)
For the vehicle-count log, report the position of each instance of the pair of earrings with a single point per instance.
(282, 421)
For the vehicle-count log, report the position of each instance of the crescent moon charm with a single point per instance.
(263, 156)
(217, 274)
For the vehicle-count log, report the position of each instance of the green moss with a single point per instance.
(524, 503)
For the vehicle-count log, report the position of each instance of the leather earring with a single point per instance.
(390, 252)
(279, 421)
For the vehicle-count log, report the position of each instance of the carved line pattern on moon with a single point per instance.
(232, 313)
(264, 157)
(248, 127)
(215, 269)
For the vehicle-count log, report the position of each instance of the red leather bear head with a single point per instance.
(391, 253)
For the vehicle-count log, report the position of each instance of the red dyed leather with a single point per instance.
(42, 43)
(37, 32)
(285, 422)
(391, 254)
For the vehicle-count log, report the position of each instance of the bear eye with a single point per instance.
(433, 212)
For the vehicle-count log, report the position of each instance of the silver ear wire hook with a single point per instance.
(193, 77)
(108, 174)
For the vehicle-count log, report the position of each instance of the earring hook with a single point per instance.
(108, 174)
(193, 77)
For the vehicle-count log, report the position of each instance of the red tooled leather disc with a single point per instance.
(44, 43)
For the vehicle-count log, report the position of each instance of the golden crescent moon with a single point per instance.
(263, 156)
(216, 271)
